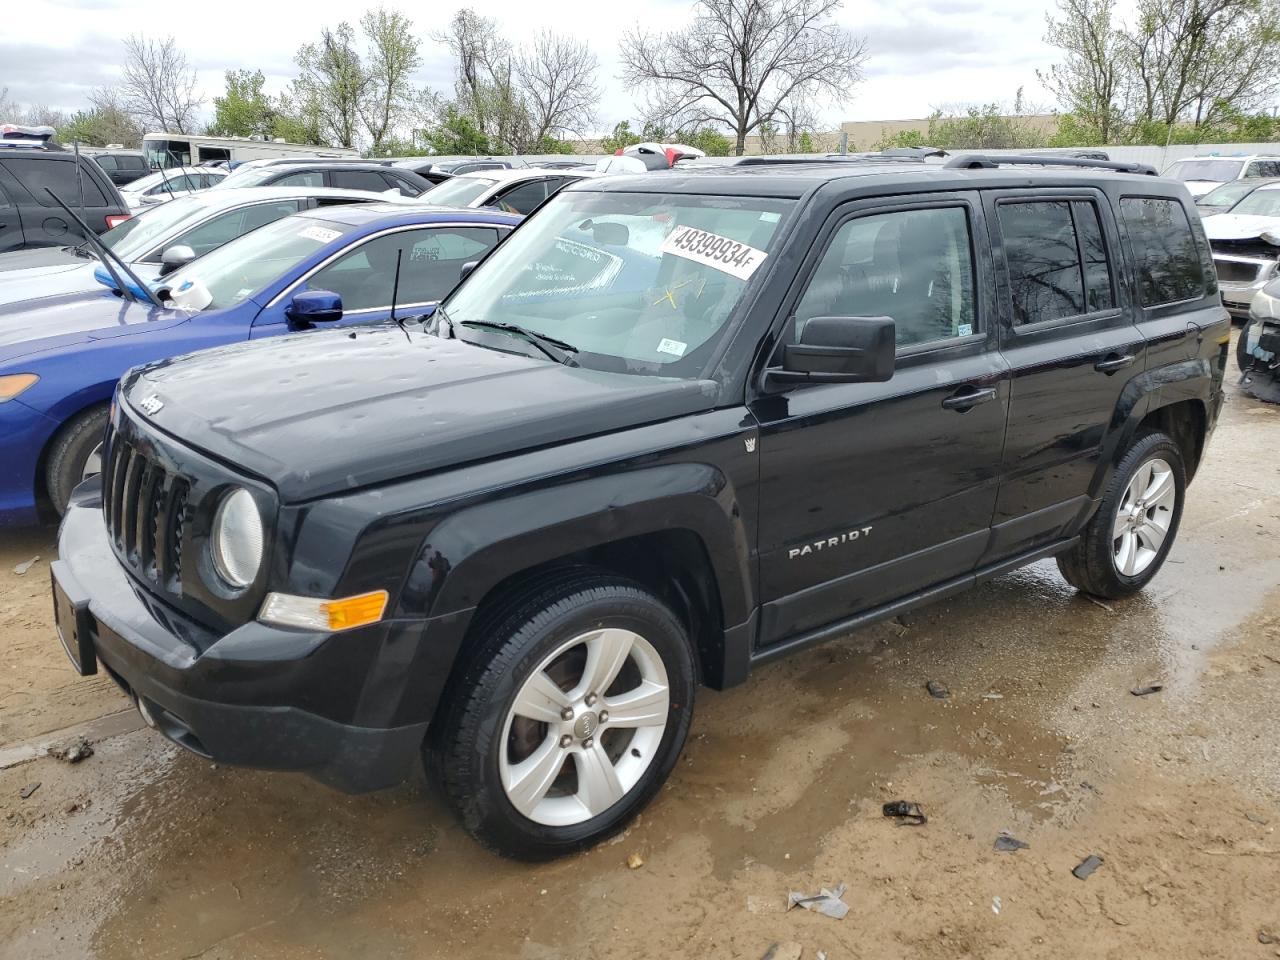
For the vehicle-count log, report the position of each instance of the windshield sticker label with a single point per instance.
(964, 329)
(673, 347)
(320, 234)
(712, 250)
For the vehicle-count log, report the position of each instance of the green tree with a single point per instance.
(456, 133)
(805, 144)
(243, 110)
(621, 138)
(903, 138)
(711, 142)
(388, 94)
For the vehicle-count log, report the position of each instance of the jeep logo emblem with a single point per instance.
(586, 725)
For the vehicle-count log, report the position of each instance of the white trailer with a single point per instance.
(186, 150)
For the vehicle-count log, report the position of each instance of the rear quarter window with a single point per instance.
(1168, 256)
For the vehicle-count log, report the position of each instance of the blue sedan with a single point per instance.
(60, 357)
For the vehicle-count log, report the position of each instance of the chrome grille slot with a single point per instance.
(129, 504)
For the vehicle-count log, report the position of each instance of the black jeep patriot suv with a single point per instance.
(673, 427)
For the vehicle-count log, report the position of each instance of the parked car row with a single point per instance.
(496, 493)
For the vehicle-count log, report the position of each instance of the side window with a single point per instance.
(306, 178)
(1253, 170)
(1165, 253)
(107, 162)
(915, 266)
(358, 180)
(131, 163)
(521, 199)
(430, 262)
(395, 183)
(57, 175)
(1056, 258)
(226, 227)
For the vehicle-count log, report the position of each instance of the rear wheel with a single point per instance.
(75, 456)
(568, 717)
(1126, 542)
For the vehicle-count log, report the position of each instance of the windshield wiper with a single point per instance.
(557, 350)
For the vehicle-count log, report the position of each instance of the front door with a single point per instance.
(873, 491)
(1071, 346)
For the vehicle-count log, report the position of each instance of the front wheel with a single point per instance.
(1126, 542)
(75, 455)
(568, 718)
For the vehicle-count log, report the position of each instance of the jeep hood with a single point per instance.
(324, 412)
(1239, 226)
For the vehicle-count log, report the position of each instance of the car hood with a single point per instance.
(1238, 226)
(35, 325)
(325, 412)
(46, 257)
(55, 281)
(1198, 188)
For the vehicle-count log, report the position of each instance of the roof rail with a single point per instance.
(988, 161)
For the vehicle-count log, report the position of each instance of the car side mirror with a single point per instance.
(840, 350)
(314, 306)
(179, 255)
(467, 269)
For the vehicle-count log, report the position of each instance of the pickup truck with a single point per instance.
(670, 429)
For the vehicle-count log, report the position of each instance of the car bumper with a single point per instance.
(235, 711)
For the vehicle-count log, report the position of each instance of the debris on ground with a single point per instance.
(822, 955)
(1254, 818)
(1147, 690)
(634, 861)
(1098, 603)
(826, 902)
(784, 951)
(73, 752)
(937, 690)
(26, 565)
(76, 805)
(910, 813)
(996, 905)
(29, 789)
(1086, 866)
(993, 696)
(1266, 937)
(1007, 844)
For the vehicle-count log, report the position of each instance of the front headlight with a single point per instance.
(1265, 305)
(237, 539)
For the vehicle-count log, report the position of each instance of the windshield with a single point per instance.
(251, 177)
(1185, 170)
(637, 282)
(134, 238)
(457, 192)
(1260, 203)
(244, 266)
(1228, 193)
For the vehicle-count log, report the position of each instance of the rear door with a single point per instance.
(10, 224)
(1072, 346)
(44, 223)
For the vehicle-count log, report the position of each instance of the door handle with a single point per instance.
(1114, 363)
(962, 401)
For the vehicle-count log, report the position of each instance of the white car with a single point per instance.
(1246, 245)
(1202, 174)
(169, 183)
(514, 191)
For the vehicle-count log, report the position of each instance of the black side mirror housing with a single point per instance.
(179, 255)
(840, 350)
(314, 306)
(466, 269)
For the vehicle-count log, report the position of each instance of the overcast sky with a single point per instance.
(931, 53)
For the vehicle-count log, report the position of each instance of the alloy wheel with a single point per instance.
(1143, 517)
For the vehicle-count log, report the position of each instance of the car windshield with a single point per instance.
(637, 282)
(1260, 203)
(249, 177)
(457, 192)
(1228, 193)
(1209, 169)
(134, 238)
(244, 266)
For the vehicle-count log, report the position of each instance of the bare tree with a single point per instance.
(159, 85)
(483, 85)
(741, 61)
(332, 84)
(557, 80)
(388, 95)
(1090, 82)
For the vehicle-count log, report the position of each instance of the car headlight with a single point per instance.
(237, 538)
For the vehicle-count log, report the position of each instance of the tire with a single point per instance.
(1115, 558)
(70, 455)
(1243, 358)
(487, 753)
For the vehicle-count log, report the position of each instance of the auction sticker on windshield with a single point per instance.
(320, 234)
(712, 250)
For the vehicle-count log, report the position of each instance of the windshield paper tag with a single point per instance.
(673, 347)
(320, 234)
(712, 250)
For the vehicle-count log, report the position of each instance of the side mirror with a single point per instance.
(314, 306)
(179, 255)
(840, 350)
(467, 268)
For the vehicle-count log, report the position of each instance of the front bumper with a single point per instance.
(237, 707)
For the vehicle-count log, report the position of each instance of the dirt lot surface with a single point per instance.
(144, 851)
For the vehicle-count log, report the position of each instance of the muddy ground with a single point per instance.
(143, 851)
